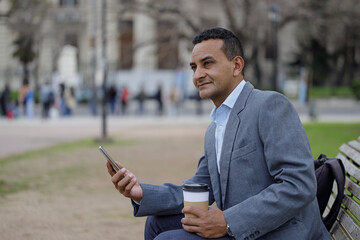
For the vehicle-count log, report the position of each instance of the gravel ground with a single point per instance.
(66, 193)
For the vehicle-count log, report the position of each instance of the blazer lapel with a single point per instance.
(229, 137)
(211, 157)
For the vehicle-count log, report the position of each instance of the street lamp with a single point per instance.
(93, 100)
(104, 64)
(274, 19)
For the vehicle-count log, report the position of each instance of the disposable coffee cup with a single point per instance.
(197, 195)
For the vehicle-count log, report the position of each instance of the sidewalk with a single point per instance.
(21, 135)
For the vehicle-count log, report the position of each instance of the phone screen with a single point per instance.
(112, 162)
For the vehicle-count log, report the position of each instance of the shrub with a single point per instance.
(355, 87)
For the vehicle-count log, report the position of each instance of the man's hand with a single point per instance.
(128, 185)
(208, 224)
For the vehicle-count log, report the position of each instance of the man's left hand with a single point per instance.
(208, 224)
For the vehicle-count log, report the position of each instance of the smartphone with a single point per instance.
(112, 162)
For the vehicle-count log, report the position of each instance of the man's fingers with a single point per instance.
(194, 210)
(125, 184)
(116, 178)
(121, 166)
(190, 228)
(110, 169)
(130, 185)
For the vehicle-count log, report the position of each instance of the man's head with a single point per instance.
(232, 46)
(217, 64)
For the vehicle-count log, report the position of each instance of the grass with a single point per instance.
(36, 179)
(11, 187)
(64, 147)
(326, 92)
(326, 138)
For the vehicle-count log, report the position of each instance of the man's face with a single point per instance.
(213, 73)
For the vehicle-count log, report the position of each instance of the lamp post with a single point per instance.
(104, 63)
(274, 19)
(93, 100)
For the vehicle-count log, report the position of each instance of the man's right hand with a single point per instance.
(128, 185)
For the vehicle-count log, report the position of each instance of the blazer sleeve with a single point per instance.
(289, 161)
(167, 199)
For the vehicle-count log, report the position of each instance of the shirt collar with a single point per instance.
(230, 100)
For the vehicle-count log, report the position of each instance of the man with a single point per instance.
(257, 161)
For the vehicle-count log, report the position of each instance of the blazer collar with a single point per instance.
(241, 101)
(212, 165)
(229, 137)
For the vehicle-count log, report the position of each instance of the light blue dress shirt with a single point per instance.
(220, 117)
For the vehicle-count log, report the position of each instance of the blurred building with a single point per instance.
(140, 37)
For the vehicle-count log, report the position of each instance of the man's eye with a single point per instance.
(193, 68)
(207, 63)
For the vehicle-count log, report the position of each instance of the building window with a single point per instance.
(167, 45)
(125, 40)
(71, 39)
(68, 3)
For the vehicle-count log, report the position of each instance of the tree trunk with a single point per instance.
(25, 74)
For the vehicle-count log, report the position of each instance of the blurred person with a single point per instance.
(124, 98)
(303, 86)
(26, 99)
(47, 99)
(257, 161)
(112, 94)
(159, 100)
(141, 97)
(175, 98)
(30, 102)
(22, 97)
(5, 101)
(70, 101)
(62, 101)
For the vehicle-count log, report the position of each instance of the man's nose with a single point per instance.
(199, 74)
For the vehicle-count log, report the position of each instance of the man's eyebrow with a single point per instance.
(206, 58)
(202, 60)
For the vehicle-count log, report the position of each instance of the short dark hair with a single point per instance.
(232, 46)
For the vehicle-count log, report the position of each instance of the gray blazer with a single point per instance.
(267, 185)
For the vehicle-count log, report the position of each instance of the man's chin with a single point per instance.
(204, 95)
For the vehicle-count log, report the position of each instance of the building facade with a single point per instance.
(78, 38)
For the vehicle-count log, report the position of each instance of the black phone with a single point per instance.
(112, 162)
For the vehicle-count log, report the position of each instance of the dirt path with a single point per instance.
(67, 194)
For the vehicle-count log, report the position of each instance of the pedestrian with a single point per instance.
(141, 97)
(62, 105)
(70, 101)
(5, 101)
(125, 95)
(47, 99)
(257, 161)
(159, 100)
(22, 97)
(112, 94)
(175, 98)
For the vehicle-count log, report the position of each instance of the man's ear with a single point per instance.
(238, 65)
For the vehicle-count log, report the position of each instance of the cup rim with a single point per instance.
(196, 187)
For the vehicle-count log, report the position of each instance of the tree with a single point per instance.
(328, 39)
(24, 51)
(247, 19)
(26, 18)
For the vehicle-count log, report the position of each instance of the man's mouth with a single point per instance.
(199, 85)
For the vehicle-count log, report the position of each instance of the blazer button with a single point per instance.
(252, 235)
(257, 232)
(246, 238)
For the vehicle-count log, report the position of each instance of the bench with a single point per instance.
(347, 225)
